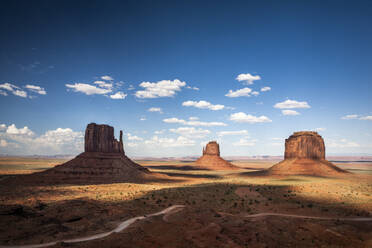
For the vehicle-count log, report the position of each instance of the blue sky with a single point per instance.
(65, 64)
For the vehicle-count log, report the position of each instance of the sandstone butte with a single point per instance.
(211, 158)
(103, 161)
(305, 155)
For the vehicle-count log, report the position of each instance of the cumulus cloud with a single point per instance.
(15, 90)
(238, 93)
(133, 137)
(164, 88)
(239, 132)
(36, 89)
(170, 142)
(3, 93)
(245, 142)
(191, 132)
(290, 112)
(255, 93)
(320, 129)
(203, 105)
(247, 78)
(247, 118)
(290, 104)
(58, 141)
(193, 123)
(107, 78)
(193, 118)
(118, 95)
(366, 118)
(155, 109)
(266, 88)
(342, 143)
(192, 88)
(349, 117)
(12, 129)
(88, 89)
(143, 118)
(103, 84)
(3, 143)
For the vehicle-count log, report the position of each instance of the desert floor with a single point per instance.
(218, 205)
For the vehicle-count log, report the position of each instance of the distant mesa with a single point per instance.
(211, 158)
(305, 155)
(103, 161)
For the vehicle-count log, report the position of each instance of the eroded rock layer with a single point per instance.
(211, 158)
(305, 155)
(103, 161)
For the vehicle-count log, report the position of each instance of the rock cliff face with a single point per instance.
(305, 155)
(103, 161)
(212, 148)
(211, 158)
(304, 145)
(100, 138)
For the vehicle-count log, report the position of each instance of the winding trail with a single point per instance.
(309, 217)
(119, 228)
(166, 212)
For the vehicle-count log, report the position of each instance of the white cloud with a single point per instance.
(349, 117)
(192, 88)
(118, 95)
(239, 93)
(342, 143)
(203, 105)
(2, 127)
(103, 84)
(255, 93)
(366, 118)
(133, 137)
(164, 88)
(131, 144)
(107, 78)
(88, 89)
(14, 89)
(193, 123)
(131, 87)
(3, 143)
(320, 129)
(193, 118)
(245, 142)
(289, 112)
(143, 118)
(12, 129)
(36, 89)
(248, 78)
(240, 132)
(170, 142)
(247, 118)
(58, 141)
(191, 132)
(266, 88)
(159, 131)
(3, 93)
(290, 104)
(155, 109)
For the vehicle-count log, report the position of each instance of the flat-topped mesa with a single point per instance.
(212, 148)
(100, 138)
(305, 155)
(305, 144)
(211, 158)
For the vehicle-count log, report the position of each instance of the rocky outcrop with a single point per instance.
(211, 158)
(103, 161)
(304, 145)
(212, 148)
(305, 155)
(100, 138)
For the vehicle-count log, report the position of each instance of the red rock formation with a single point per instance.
(305, 155)
(211, 158)
(103, 161)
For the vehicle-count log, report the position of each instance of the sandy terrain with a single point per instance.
(220, 208)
